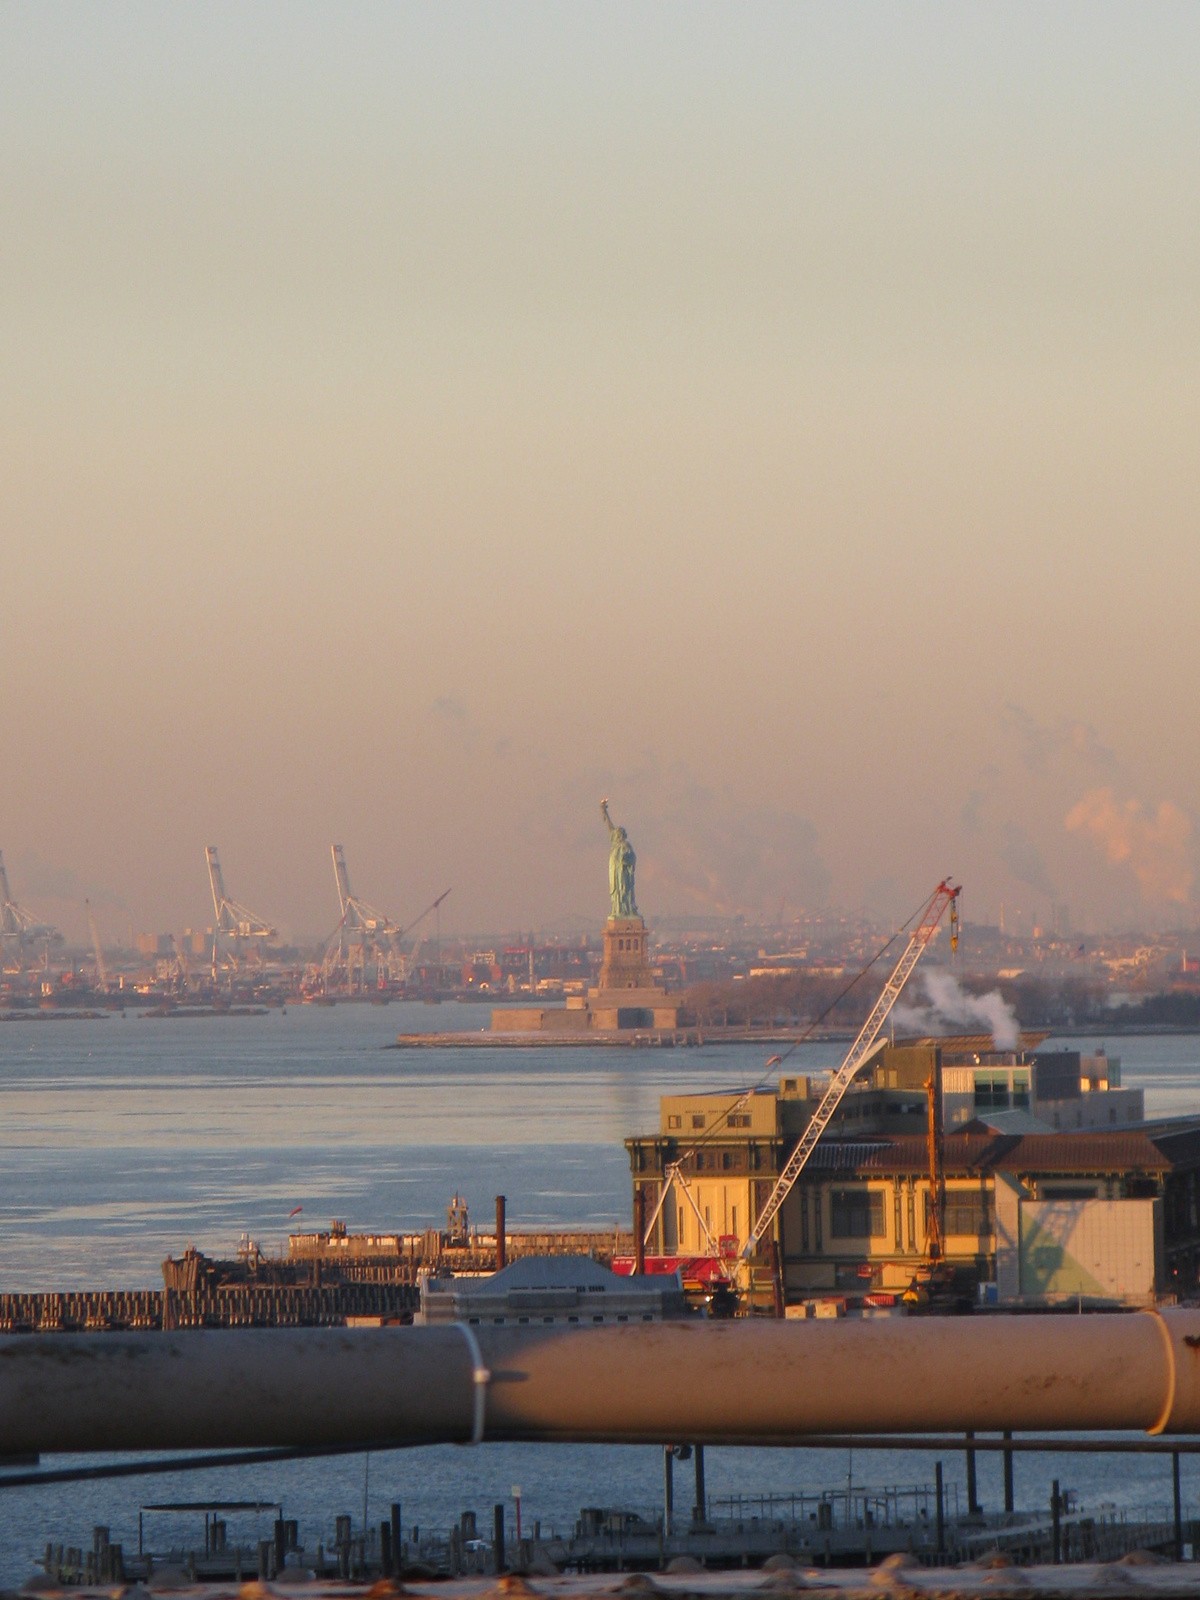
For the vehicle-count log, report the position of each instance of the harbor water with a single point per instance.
(127, 1137)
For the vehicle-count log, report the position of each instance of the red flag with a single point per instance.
(295, 1213)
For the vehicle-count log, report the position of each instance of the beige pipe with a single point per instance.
(657, 1382)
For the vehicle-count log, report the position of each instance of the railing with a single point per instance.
(834, 1509)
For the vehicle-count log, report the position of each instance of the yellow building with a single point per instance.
(857, 1219)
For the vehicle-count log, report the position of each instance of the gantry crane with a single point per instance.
(19, 927)
(233, 922)
(362, 934)
(944, 896)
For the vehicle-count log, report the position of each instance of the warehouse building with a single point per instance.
(571, 1290)
(1104, 1213)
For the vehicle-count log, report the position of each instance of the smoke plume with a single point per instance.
(1155, 845)
(952, 1010)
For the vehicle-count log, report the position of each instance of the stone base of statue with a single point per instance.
(626, 964)
(626, 996)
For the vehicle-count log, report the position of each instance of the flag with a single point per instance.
(295, 1213)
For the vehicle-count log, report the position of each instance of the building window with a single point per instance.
(674, 1120)
(898, 1220)
(727, 1159)
(739, 1119)
(968, 1213)
(857, 1214)
(1020, 1091)
(991, 1093)
(697, 1119)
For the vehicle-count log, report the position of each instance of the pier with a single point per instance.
(849, 1528)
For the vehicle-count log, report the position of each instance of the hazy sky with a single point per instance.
(416, 423)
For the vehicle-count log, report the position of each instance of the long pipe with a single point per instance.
(720, 1382)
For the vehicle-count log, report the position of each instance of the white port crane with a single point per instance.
(945, 895)
(363, 934)
(19, 927)
(233, 922)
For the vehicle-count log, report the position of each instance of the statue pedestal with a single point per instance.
(626, 964)
(626, 998)
(626, 995)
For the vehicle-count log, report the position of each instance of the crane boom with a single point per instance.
(343, 878)
(946, 894)
(101, 970)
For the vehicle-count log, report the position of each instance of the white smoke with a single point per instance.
(952, 1010)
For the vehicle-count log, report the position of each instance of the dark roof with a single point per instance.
(1027, 1040)
(1179, 1142)
(1127, 1151)
(971, 1153)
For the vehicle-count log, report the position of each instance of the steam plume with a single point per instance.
(952, 1010)
(1154, 845)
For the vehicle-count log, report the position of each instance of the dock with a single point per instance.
(826, 1536)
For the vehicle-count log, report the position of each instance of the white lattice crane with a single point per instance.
(18, 927)
(234, 923)
(362, 936)
(365, 935)
(945, 895)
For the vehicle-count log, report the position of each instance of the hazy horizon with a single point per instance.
(419, 423)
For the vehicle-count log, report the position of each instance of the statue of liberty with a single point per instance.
(621, 865)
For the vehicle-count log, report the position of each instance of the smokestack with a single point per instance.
(639, 1228)
(501, 1250)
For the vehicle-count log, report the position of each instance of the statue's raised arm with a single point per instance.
(608, 822)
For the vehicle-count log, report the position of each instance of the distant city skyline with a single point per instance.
(419, 423)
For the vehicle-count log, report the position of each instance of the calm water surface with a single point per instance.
(126, 1138)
